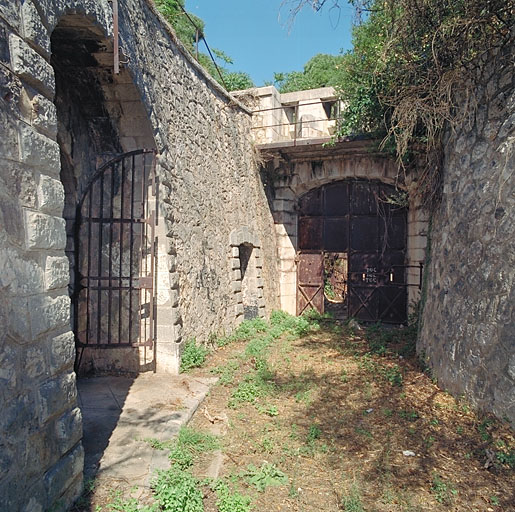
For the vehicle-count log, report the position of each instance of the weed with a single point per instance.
(483, 429)
(248, 391)
(267, 475)
(304, 397)
(388, 412)
(352, 502)
(364, 432)
(177, 490)
(230, 501)
(269, 410)
(393, 375)
(193, 355)
(494, 500)
(444, 492)
(507, 458)
(121, 504)
(314, 433)
(429, 441)
(411, 415)
(343, 376)
(267, 445)
(188, 444)
(226, 372)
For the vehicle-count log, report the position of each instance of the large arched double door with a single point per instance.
(352, 250)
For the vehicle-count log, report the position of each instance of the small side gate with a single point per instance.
(115, 263)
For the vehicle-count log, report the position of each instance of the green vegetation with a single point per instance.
(322, 70)
(193, 355)
(231, 501)
(322, 428)
(265, 476)
(444, 492)
(173, 11)
(413, 71)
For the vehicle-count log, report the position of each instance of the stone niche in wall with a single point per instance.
(246, 276)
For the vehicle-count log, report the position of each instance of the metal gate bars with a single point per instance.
(115, 257)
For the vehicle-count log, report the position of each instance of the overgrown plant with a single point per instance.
(413, 71)
(193, 355)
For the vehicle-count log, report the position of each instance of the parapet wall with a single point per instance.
(468, 329)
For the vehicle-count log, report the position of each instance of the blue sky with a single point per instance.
(257, 35)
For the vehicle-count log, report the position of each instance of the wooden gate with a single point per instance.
(115, 247)
(354, 221)
(310, 282)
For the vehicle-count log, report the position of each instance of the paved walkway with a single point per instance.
(120, 412)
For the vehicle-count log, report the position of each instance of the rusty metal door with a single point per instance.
(310, 282)
(115, 263)
(353, 220)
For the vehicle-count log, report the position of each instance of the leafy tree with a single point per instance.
(187, 32)
(413, 71)
(322, 70)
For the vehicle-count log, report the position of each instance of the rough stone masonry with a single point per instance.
(209, 186)
(213, 212)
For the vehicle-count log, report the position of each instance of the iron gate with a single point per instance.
(116, 250)
(355, 221)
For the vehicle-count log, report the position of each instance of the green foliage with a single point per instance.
(247, 391)
(412, 72)
(226, 372)
(352, 501)
(314, 433)
(267, 475)
(121, 504)
(188, 444)
(444, 492)
(176, 490)
(231, 501)
(506, 457)
(188, 33)
(193, 355)
(322, 70)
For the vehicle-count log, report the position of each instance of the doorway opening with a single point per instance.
(351, 259)
(108, 207)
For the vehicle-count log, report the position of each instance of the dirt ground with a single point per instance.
(346, 420)
(340, 422)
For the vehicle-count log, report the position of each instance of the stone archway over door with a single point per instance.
(352, 250)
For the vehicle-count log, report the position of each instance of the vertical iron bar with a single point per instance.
(116, 50)
(100, 241)
(122, 227)
(131, 245)
(143, 258)
(155, 256)
(111, 226)
(88, 281)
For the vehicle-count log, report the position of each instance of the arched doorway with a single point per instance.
(102, 130)
(351, 258)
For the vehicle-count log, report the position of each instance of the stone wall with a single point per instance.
(209, 186)
(299, 169)
(468, 329)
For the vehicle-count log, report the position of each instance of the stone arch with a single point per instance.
(100, 115)
(246, 275)
(299, 176)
